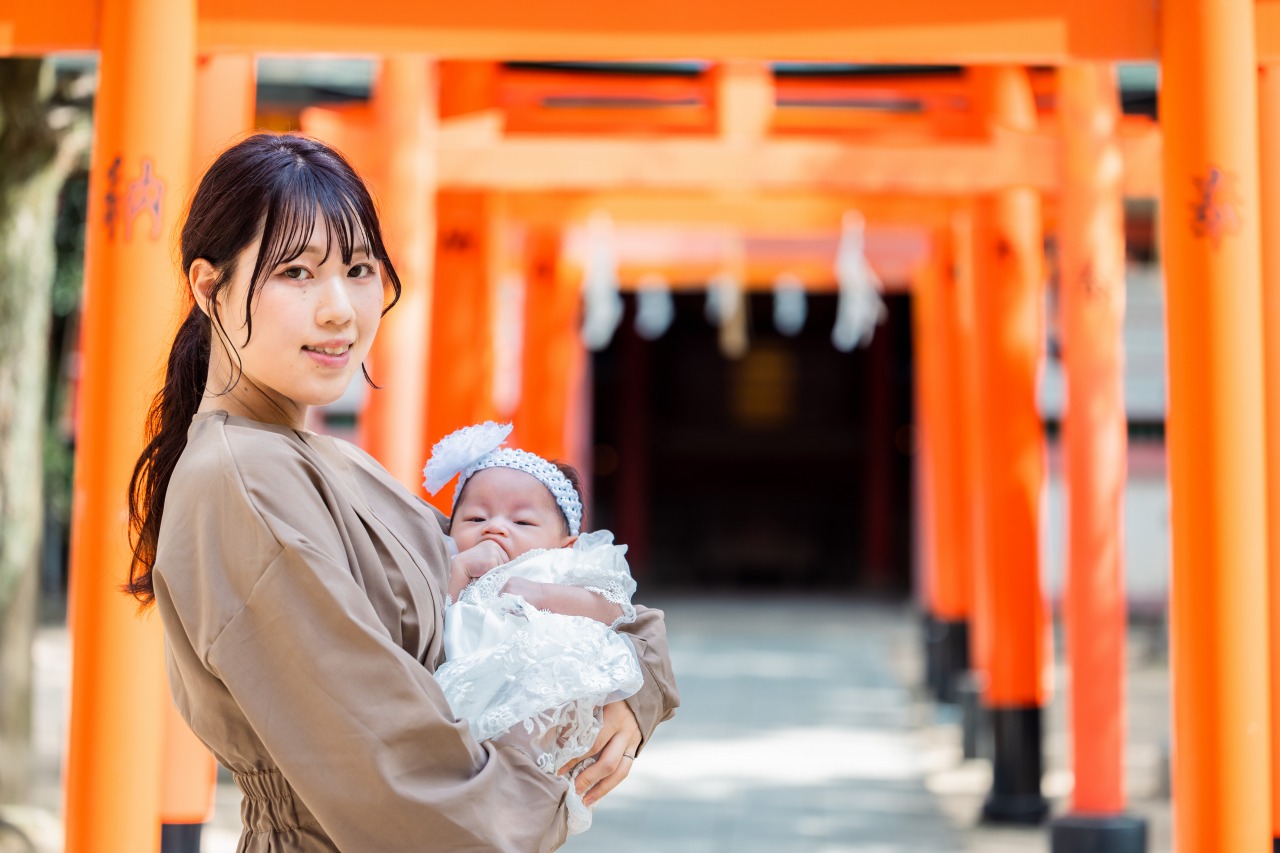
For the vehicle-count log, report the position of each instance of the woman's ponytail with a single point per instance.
(166, 434)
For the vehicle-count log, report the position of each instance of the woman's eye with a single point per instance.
(296, 273)
(361, 271)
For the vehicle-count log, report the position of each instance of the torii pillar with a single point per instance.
(137, 186)
(1219, 589)
(1011, 467)
(392, 425)
(948, 531)
(962, 335)
(1269, 164)
(1091, 299)
(550, 418)
(460, 383)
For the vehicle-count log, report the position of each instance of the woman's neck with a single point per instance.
(229, 390)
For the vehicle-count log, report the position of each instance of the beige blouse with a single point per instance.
(302, 593)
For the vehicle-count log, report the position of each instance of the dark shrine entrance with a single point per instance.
(787, 469)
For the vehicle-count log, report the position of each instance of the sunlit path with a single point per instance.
(795, 734)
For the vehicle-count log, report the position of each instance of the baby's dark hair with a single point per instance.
(575, 479)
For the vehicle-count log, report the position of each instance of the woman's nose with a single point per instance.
(335, 308)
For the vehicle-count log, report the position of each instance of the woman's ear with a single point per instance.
(202, 277)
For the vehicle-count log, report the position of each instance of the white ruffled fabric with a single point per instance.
(460, 449)
(536, 679)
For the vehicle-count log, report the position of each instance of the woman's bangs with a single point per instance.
(286, 228)
(346, 224)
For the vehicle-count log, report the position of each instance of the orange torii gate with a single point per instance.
(1210, 53)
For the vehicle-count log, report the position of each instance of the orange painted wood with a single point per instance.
(548, 420)
(1269, 198)
(967, 412)
(914, 31)
(348, 128)
(1091, 300)
(139, 181)
(779, 213)
(1010, 339)
(938, 167)
(540, 101)
(460, 363)
(743, 101)
(941, 386)
(548, 163)
(226, 91)
(466, 87)
(1215, 424)
(392, 426)
(189, 774)
(932, 439)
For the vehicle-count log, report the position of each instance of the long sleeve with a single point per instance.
(658, 699)
(302, 626)
(362, 731)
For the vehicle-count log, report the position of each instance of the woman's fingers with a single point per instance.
(614, 751)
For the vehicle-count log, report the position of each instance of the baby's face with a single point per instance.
(510, 507)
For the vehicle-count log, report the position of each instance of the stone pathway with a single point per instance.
(802, 730)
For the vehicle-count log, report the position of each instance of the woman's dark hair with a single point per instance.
(271, 185)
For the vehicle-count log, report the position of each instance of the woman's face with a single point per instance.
(314, 319)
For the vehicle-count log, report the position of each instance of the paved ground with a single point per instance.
(802, 730)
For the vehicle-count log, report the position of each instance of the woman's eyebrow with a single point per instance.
(322, 250)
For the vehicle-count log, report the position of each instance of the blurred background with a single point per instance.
(740, 383)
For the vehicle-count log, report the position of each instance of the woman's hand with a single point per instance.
(614, 751)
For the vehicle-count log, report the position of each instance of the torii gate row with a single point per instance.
(1010, 649)
(486, 149)
(1210, 188)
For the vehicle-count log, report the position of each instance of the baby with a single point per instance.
(531, 654)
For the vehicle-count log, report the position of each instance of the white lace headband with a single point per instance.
(474, 448)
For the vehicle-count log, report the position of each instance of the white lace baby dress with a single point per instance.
(537, 679)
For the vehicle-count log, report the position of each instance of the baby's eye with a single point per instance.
(527, 523)
(476, 519)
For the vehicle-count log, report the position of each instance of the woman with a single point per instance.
(300, 586)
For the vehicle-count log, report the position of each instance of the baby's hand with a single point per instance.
(472, 563)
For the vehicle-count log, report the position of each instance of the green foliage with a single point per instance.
(68, 279)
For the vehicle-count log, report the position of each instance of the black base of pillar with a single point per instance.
(1016, 768)
(932, 656)
(1275, 845)
(975, 723)
(180, 837)
(1082, 833)
(953, 653)
(946, 656)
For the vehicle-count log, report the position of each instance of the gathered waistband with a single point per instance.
(269, 804)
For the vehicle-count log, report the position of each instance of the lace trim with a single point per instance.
(616, 594)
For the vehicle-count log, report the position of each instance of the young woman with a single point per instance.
(300, 586)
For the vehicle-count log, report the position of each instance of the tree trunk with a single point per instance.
(34, 166)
